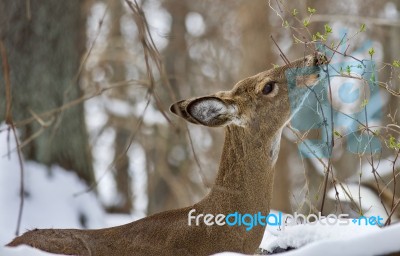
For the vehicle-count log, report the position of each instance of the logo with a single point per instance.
(277, 219)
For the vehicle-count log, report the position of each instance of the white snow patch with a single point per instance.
(299, 235)
(49, 201)
(322, 239)
(378, 242)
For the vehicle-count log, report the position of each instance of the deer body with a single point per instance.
(253, 113)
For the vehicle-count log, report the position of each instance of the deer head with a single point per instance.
(260, 101)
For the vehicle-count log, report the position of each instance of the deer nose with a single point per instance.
(320, 58)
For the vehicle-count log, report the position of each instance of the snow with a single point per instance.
(49, 201)
(299, 235)
(379, 242)
(335, 240)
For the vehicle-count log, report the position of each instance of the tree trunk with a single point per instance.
(44, 43)
(168, 184)
(114, 57)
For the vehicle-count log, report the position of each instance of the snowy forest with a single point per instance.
(89, 140)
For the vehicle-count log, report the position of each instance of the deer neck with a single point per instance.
(245, 177)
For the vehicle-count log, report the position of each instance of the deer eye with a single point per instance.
(268, 87)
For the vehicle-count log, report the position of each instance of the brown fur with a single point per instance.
(253, 124)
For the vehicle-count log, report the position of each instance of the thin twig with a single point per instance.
(391, 213)
(21, 182)
(10, 123)
(355, 18)
(72, 103)
(286, 60)
(394, 187)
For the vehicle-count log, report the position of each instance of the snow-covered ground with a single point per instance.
(333, 240)
(50, 200)
(50, 203)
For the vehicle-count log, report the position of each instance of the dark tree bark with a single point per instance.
(161, 194)
(116, 63)
(44, 41)
(168, 184)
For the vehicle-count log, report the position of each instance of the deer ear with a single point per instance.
(211, 111)
(208, 111)
(179, 109)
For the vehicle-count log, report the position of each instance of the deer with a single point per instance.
(253, 115)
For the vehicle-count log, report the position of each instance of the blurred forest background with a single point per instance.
(89, 97)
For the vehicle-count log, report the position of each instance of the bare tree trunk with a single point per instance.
(115, 55)
(44, 42)
(168, 184)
